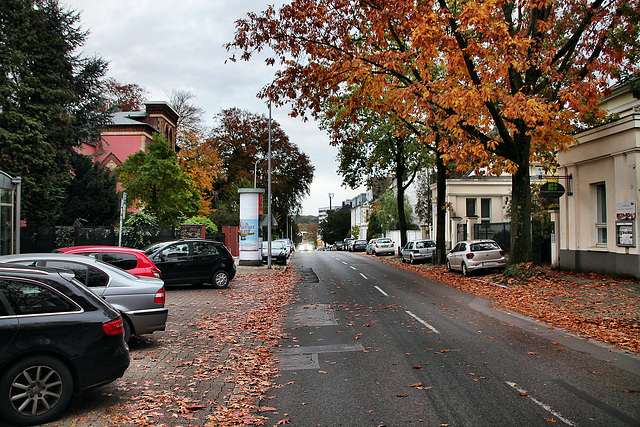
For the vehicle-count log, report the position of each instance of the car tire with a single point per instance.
(449, 269)
(412, 260)
(220, 279)
(40, 374)
(465, 270)
(126, 326)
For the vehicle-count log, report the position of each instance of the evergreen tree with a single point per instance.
(91, 195)
(43, 86)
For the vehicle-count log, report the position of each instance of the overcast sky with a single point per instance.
(163, 45)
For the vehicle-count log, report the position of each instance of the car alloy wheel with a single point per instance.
(35, 390)
(220, 279)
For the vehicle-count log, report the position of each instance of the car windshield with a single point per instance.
(154, 247)
(484, 246)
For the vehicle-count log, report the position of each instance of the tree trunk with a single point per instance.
(441, 194)
(521, 212)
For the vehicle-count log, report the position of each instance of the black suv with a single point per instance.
(56, 338)
(193, 261)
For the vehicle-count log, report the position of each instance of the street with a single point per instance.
(369, 344)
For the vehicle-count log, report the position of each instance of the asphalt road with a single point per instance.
(372, 345)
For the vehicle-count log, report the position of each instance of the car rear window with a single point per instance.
(124, 261)
(484, 246)
(383, 241)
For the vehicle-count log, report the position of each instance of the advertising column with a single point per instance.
(250, 210)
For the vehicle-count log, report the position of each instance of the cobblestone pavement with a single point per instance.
(181, 376)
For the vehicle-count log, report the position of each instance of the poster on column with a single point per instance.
(249, 235)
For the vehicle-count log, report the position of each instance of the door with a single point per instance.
(173, 262)
(8, 320)
(206, 259)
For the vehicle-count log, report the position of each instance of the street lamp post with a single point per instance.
(330, 197)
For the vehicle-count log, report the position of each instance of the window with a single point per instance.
(178, 250)
(601, 213)
(121, 260)
(485, 210)
(471, 207)
(85, 274)
(33, 298)
(204, 248)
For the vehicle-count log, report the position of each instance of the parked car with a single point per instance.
(418, 250)
(359, 245)
(384, 246)
(193, 261)
(370, 245)
(132, 260)
(57, 338)
(140, 300)
(473, 255)
(347, 244)
(338, 246)
(279, 252)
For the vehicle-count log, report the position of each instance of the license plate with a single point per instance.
(488, 264)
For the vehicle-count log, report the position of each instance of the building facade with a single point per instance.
(596, 224)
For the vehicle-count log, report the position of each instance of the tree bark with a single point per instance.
(521, 209)
(441, 194)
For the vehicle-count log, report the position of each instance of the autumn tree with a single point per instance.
(50, 102)
(242, 140)
(125, 96)
(374, 146)
(512, 80)
(198, 156)
(154, 181)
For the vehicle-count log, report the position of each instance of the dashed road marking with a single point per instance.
(423, 322)
(544, 406)
(381, 291)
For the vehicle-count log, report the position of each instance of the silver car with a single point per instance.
(140, 300)
(473, 255)
(384, 246)
(418, 250)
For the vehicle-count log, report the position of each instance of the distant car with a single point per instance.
(384, 246)
(347, 244)
(306, 247)
(473, 255)
(140, 300)
(57, 338)
(338, 246)
(359, 245)
(369, 248)
(193, 262)
(418, 250)
(132, 260)
(279, 252)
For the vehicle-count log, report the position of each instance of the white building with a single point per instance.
(596, 224)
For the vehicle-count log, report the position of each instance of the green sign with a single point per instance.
(551, 190)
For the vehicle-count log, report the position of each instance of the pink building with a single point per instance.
(131, 131)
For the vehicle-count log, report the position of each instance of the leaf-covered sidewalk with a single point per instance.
(210, 366)
(604, 308)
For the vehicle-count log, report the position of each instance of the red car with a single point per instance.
(132, 260)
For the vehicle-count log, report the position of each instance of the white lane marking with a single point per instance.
(381, 291)
(364, 276)
(352, 267)
(422, 321)
(344, 263)
(542, 405)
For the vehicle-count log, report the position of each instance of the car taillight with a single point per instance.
(159, 298)
(501, 252)
(156, 273)
(416, 251)
(470, 255)
(114, 327)
(391, 244)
